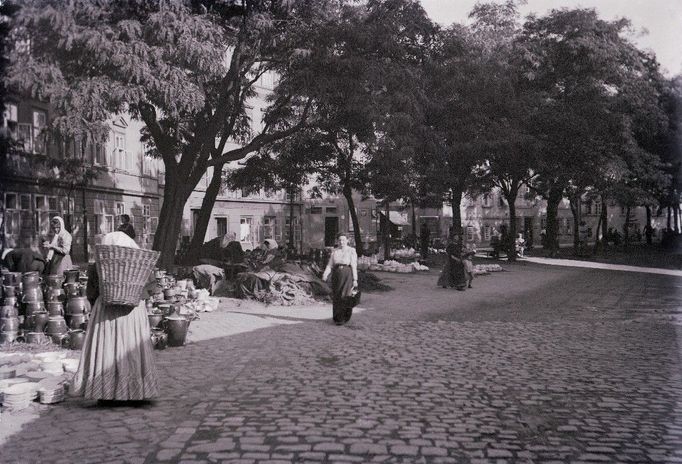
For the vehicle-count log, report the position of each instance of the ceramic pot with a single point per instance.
(72, 289)
(9, 311)
(35, 337)
(61, 339)
(9, 324)
(176, 327)
(31, 279)
(9, 290)
(56, 325)
(55, 294)
(54, 281)
(155, 320)
(39, 321)
(159, 339)
(31, 294)
(77, 305)
(9, 337)
(76, 321)
(33, 307)
(11, 301)
(72, 276)
(76, 339)
(12, 279)
(55, 308)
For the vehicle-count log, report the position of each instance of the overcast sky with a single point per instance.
(661, 19)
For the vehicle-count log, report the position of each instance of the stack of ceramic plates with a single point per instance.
(51, 391)
(19, 396)
(36, 376)
(70, 364)
(8, 383)
(52, 367)
(7, 372)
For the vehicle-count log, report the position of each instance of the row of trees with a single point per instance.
(371, 97)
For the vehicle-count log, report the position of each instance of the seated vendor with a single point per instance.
(25, 259)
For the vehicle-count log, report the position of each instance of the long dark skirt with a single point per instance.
(453, 275)
(342, 286)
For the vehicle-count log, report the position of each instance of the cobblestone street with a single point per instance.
(539, 364)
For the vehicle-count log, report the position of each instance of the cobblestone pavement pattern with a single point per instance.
(539, 364)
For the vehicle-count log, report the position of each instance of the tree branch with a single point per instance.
(260, 141)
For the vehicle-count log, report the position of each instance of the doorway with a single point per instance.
(528, 230)
(331, 228)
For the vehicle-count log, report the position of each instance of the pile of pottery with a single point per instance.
(169, 315)
(37, 310)
(26, 377)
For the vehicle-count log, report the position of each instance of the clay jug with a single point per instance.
(76, 321)
(55, 294)
(11, 301)
(76, 339)
(72, 289)
(9, 324)
(32, 294)
(77, 305)
(39, 321)
(9, 311)
(9, 290)
(56, 325)
(35, 337)
(55, 308)
(155, 320)
(72, 276)
(31, 279)
(54, 281)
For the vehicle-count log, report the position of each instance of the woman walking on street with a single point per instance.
(343, 268)
(117, 362)
(58, 257)
(453, 274)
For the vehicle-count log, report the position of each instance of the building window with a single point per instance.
(146, 219)
(10, 115)
(297, 228)
(221, 226)
(11, 201)
(25, 136)
(25, 202)
(246, 229)
(487, 201)
(39, 125)
(500, 201)
(330, 209)
(315, 210)
(486, 233)
(269, 227)
(120, 208)
(470, 233)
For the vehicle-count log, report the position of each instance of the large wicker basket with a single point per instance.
(123, 273)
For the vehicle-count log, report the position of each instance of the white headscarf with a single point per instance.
(55, 240)
(119, 239)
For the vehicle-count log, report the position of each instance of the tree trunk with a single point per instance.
(175, 196)
(414, 221)
(204, 217)
(626, 228)
(457, 194)
(359, 247)
(649, 236)
(387, 232)
(509, 247)
(551, 241)
(292, 244)
(576, 210)
(603, 222)
(669, 223)
(676, 211)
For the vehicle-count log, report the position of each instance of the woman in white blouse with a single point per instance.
(343, 268)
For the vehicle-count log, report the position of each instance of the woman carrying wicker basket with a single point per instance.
(117, 361)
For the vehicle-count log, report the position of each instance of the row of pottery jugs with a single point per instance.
(36, 322)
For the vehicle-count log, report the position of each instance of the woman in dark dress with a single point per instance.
(454, 273)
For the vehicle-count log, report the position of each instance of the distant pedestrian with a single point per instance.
(59, 248)
(343, 268)
(453, 273)
(467, 256)
(126, 227)
(520, 245)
